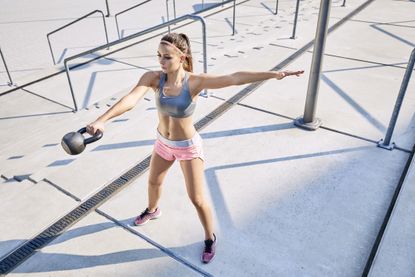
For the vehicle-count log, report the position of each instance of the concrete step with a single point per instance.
(46, 124)
(24, 215)
(12, 189)
(45, 73)
(47, 135)
(53, 155)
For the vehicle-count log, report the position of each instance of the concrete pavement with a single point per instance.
(286, 202)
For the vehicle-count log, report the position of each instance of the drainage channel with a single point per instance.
(26, 250)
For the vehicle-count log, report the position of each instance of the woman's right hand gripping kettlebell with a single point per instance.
(93, 127)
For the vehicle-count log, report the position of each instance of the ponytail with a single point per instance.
(188, 61)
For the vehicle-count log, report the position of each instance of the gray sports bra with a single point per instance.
(179, 106)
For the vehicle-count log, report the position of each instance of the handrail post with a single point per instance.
(7, 70)
(233, 26)
(124, 11)
(202, 21)
(295, 19)
(118, 28)
(105, 27)
(50, 48)
(309, 121)
(276, 7)
(168, 16)
(168, 13)
(73, 22)
(108, 9)
(70, 85)
(386, 143)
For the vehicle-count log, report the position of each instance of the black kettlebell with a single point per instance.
(74, 142)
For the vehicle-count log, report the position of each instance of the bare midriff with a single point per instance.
(176, 128)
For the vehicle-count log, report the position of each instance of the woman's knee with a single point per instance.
(198, 201)
(154, 183)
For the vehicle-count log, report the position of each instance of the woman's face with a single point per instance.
(169, 58)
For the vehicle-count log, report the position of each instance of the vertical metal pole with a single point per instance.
(118, 28)
(233, 26)
(276, 7)
(70, 85)
(105, 27)
(344, 3)
(174, 8)
(309, 121)
(108, 9)
(51, 51)
(203, 4)
(204, 50)
(205, 93)
(404, 85)
(295, 19)
(168, 17)
(7, 70)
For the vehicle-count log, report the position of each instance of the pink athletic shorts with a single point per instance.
(181, 150)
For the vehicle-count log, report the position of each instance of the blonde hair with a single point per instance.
(181, 41)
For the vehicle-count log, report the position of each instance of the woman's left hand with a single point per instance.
(283, 74)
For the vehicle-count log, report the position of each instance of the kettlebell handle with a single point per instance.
(98, 135)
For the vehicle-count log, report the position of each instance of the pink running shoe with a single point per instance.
(146, 216)
(209, 251)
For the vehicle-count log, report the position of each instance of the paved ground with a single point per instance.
(286, 202)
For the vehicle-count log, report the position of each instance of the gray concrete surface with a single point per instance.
(395, 254)
(286, 202)
(88, 249)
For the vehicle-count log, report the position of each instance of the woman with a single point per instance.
(177, 88)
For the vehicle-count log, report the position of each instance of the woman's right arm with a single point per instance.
(125, 104)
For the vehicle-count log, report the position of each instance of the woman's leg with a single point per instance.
(158, 170)
(193, 175)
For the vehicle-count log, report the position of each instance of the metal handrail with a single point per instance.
(149, 30)
(124, 11)
(386, 143)
(7, 70)
(73, 22)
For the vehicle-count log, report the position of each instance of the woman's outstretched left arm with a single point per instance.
(207, 81)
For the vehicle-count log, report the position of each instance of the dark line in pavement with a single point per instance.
(64, 191)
